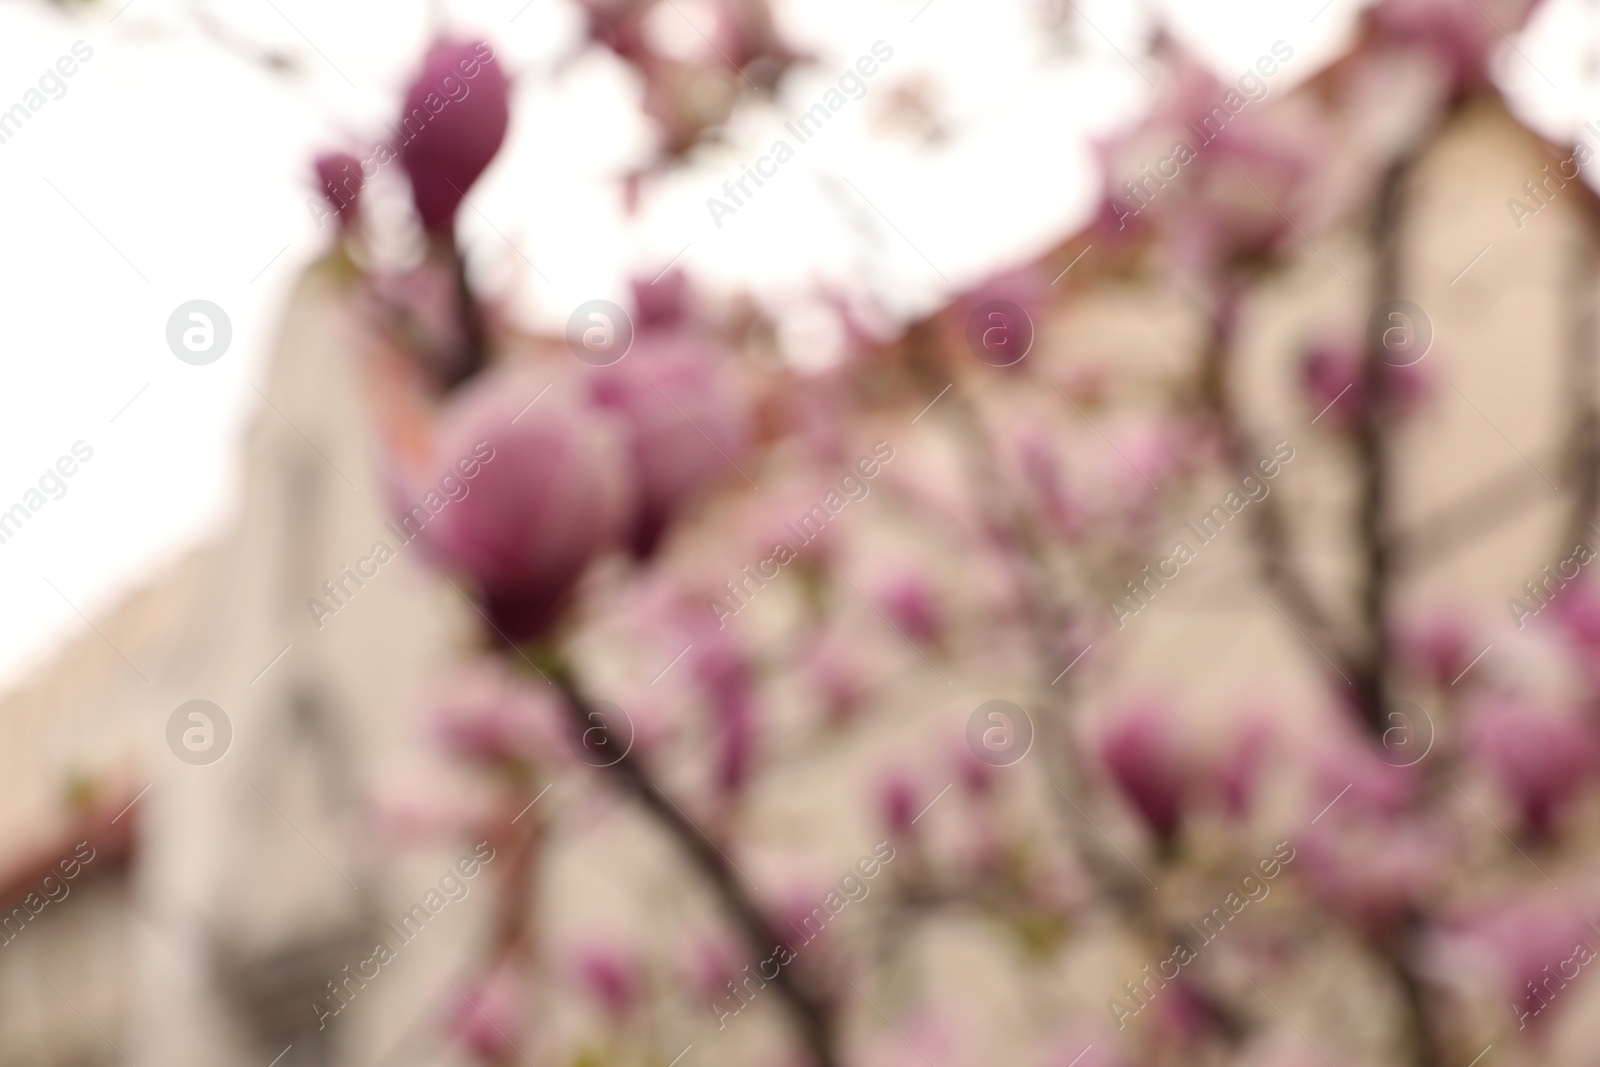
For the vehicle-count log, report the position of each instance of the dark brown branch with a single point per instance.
(1399, 956)
(812, 1014)
(1373, 463)
(471, 353)
(1269, 532)
(1375, 474)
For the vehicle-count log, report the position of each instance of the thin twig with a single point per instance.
(1269, 534)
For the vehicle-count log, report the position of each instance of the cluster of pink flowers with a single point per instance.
(1422, 774)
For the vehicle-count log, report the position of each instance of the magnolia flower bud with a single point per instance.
(1236, 775)
(1334, 380)
(489, 1018)
(546, 488)
(724, 671)
(685, 423)
(1460, 35)
(611, 974)
(1355, 770)
(1371, 870)
(1015, 300)
(1438, 647)
(1147, 764)
(976, 776)
(1044, 483)
(1525, 944)
(897, 800)
(908, 598)
(662, 303)
(452, 124)
(709, 961)
(1540, 758)
(1576, 612)
(1331, 380)
(834, 669)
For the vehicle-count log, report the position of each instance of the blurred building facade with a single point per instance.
(226, 899)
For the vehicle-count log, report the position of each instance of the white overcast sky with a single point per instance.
(189, 166)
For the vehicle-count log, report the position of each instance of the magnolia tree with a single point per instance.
(941, 539)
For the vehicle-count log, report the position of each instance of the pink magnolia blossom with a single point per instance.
(1045, 483)
(685, 419)
(1182, 1012)
(1256, 180)
(767, 522)
(1080, 645)
(1460, 35)
(976, 776)
(1540, 757)
(619, 26)
(488, 1013)
(897, 802)
(1330, 378)
(1576, 612)
(710, 961)
(489, 714)
(1366, 855)
(1024, 286)
(552, 490)
(909, 599)
(801, 920)
(724, 672)
(454, 119)
(612, 975)
(1333, 378)
(1352, 775)
(689, 87)
(661, 304)
(1236, 772)
(1213, 176)
(836, 672)
(737, 32)
(1148, 763)
(1534, 947)
(1439, 646)
(1371, 870)
(1143, 457)
(1160, 447)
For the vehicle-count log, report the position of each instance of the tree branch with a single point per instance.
(1049, 616)
(1269, 533)
(812, 1014)
(1373, 462)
